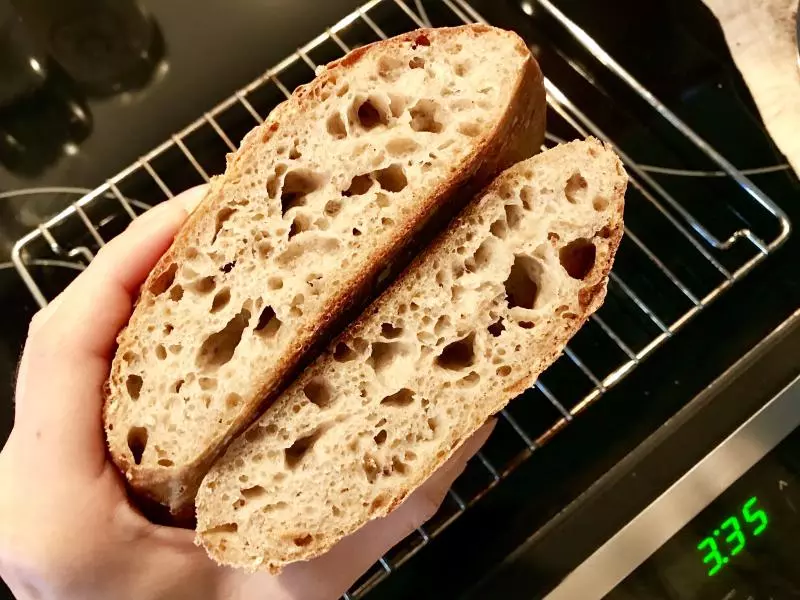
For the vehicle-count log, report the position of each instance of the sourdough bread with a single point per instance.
(311, 208)
(471, 324)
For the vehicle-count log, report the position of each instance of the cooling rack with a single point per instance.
(684, 245)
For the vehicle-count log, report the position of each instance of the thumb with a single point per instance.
(68, 351)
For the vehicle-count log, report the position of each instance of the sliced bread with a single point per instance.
(311, 209)
(471, 324)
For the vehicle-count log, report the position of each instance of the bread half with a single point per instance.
(312, 207)
(471, 324)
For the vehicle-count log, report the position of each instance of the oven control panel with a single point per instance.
(744, 545)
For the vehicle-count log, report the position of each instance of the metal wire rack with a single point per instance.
(674, 260)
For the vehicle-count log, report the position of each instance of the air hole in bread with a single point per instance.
(370, 113)
(384, 354)
(137, 442)
(332, 208)
(275, 283)
(224, 528)
(303, 540)
(133, 383)
(526, 196)
(253, 493)
(483, 255)
(295, 153)
(417, 62)
(176, 293)
(344, 353)
(161, 352)
(514, 216)
(222, 216)
(296, 186)
(401, 146)
(499, 229)
(424, 117)
(256, 433)
(380, 437)
(300, 224)
(335, 126)
(526, 324)
(600, 203)
(522, 285)
(578, 258)
(274, 180)
(164, 281)
(318, 391)
(503, 371)
(458, 355)
(268, 323)
(228, 267)
(221, 300)
(392, 178)
(421, 40)
(382, 200)
(218, 348)
(232, 400)
(605, 232)
(433, 424)
(165, 462)
(207, 383)
(442, 324)
(496, 328)
(359, 185)
(469, 128)
(575, 189)
(391, 332)
(295, 453)
(401, 398)
(204, 285)
(297, 302)
(469, 380)
(461, 68)
(398, 466)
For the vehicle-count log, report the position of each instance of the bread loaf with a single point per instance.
(311, 208)
(471, 324)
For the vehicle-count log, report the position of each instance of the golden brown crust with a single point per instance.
(517, 136)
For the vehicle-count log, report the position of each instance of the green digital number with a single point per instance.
(713, 555)
(755, 516)
(735, 536)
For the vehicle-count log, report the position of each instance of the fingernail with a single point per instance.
(157, 211)
(192, 197)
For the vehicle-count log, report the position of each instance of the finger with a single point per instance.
(66, 359)
(330, 575)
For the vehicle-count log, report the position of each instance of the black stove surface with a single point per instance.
(675, 49)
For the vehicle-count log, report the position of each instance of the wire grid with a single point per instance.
(629, 327)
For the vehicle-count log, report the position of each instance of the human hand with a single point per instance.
(67, 529)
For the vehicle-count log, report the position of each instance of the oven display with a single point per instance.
(745, 545)
(731, 537)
